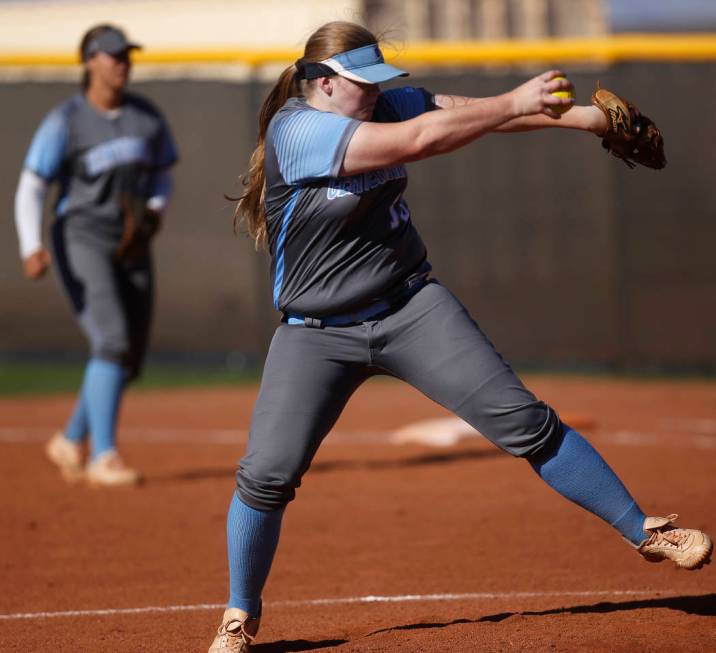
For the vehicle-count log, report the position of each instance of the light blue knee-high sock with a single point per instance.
(252, 540)
(575, 470)
(78, 425)
(101, 394)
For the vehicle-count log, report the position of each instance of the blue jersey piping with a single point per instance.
(280, 249)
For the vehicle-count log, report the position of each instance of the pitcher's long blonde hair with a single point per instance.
(327, 41)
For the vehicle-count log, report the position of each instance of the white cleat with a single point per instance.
(110, 470)
(688, 548)
(67, 456)
(236, 633)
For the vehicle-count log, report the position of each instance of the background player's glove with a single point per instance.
(140, 225)
(630, 135)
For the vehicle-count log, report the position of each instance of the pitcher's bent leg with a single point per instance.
(308, 377)
(575, 469)
(433, 344)
(460, 369)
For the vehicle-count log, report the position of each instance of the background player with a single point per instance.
(110, 153)
(350, 274)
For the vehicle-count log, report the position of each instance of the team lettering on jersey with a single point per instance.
(359, 184)
(117, 152)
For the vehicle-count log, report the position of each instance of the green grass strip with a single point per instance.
(51, 378)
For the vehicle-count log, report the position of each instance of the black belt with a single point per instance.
(367, 313)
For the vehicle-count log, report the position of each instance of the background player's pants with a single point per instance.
(431, 342)
(112, 301)
(113, 304)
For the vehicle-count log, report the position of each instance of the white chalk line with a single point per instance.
(676, 438)
(698, 425)
(400, 598)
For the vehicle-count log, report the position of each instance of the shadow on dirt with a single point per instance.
(192, 475)
(423, 626)
(337, 465)
(414, 461)
(703, 605)
(294, 646)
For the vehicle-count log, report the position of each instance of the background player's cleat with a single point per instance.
(688, 548)
(66, 456)
(236, 633)
(109, 469)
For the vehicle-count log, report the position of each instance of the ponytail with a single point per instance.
(326, 41)
(250, 208)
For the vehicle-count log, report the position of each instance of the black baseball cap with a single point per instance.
(112, 41)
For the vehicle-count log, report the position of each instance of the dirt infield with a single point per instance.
(387, 548)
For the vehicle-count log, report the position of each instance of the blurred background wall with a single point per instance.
(52, 24)
(566, 257)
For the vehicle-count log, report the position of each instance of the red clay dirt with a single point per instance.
(372, 519)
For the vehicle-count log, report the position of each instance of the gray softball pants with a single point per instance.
(430, 342)
(112, 300)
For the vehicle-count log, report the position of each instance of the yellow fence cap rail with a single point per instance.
(610, 49)
(631, 47)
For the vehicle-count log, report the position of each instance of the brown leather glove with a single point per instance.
(630, 135)
(141, 224)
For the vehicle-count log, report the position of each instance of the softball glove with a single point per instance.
(630, 135)
(140, 225)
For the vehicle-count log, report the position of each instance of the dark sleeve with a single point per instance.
(404, 103)
(166, 151)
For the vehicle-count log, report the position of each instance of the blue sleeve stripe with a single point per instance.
(47, 149)
(281, 246)
(308, 165)
(307, 144)
(295, 135)
(280, 140)
(296, 140)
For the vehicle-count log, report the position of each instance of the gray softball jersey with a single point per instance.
(94, 156)
(337, 243)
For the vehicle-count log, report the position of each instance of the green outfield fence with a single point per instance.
(565, 256)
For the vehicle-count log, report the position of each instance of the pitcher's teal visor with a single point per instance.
(365, 65)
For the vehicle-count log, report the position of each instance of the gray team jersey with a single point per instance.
(337, 243)
(94, 156)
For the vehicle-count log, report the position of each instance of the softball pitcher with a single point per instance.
(351, 277)
(110, 153)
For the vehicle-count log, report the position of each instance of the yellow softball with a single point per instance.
(565, 94)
